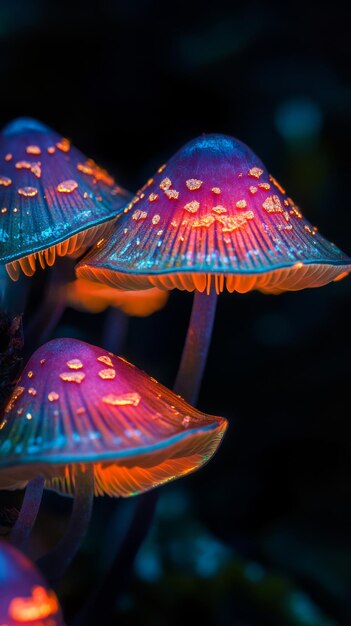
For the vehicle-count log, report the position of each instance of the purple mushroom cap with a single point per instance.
(53, 200)
(78, 404)
(213, 217)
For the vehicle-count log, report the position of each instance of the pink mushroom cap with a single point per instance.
(213, 218)
(78, 404)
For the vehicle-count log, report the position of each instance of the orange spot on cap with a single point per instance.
(193, 183)
(105, 359)
(123, 399)
(172, 194)
(107, 374)
(75, 364)
(165, 184)
(192, 206)
(272, 205)
(53, 396)
(67, 186)
(33, 150)
(72, 377)
(219, 209)
(28, 192)
(64, 145)
(255, 172)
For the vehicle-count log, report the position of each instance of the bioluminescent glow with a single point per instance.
(88, 295)
(214, 218)
(53, 200)
(77, 404)
(25, 598)
(39, 605)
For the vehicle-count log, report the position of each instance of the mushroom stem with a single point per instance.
(54, 564)
(22, 529)
(187, 384)
(197, 343)
(115, 330)
(50, 312)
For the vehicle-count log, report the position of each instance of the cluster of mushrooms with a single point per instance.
(80, 420)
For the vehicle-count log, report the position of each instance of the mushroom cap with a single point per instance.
(87, 295)
(25, 597)
(76, 403)
(49, 191)
(214, 217)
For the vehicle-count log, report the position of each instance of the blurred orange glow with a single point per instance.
(86, 295)
(39, 606)
(340, 277)
(274, 281)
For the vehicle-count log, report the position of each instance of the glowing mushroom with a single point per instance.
(53, 200)
(213, 218)
(88, 421)
(25, 598)
(88, 295)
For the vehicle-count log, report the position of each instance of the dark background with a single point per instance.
(261, 536)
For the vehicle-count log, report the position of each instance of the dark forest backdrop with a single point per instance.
(261, 536)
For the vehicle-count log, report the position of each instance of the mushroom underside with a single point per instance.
(73, 246)
(126, 476)
(293, 278)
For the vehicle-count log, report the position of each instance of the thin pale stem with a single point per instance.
(197, 343)
(22, 529)
(187, 384)
(54, 564)
(115, 330)
(48, 315)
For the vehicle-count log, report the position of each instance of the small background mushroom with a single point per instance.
(93, 297)
(25, 597)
